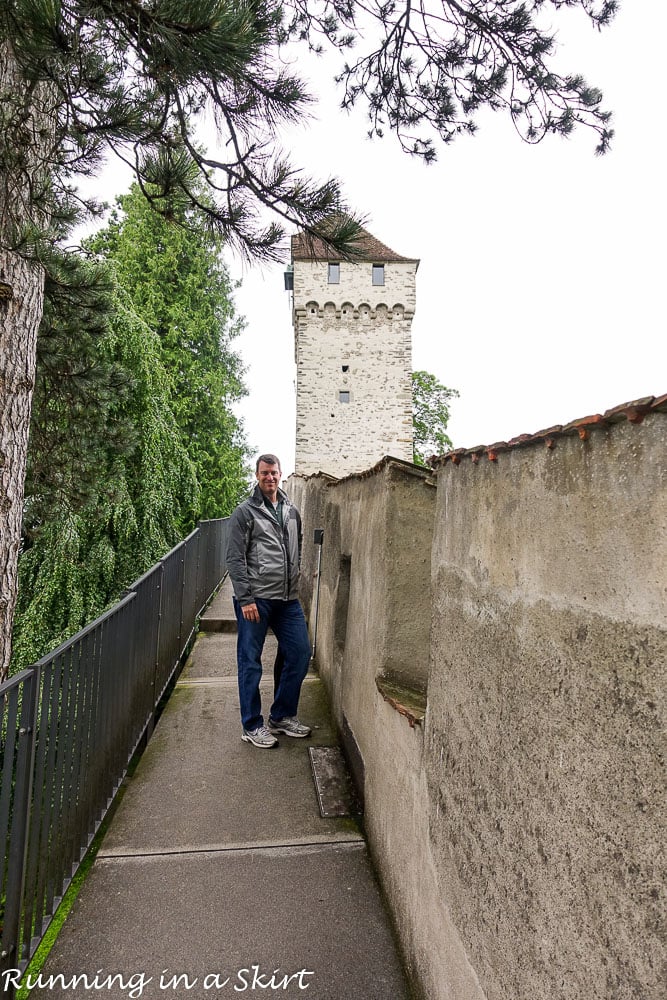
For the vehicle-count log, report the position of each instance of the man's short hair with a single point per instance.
(268, 460)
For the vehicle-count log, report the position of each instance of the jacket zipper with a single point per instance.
(283, 535)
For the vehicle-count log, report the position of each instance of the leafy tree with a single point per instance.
(79, 386)
(117, 384)
(78, 78)
(101, 509)
(136, 76)
(176, 282)
(430, 416)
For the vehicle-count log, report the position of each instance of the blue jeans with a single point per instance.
(287, 620)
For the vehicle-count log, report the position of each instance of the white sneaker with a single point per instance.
(260, 737)
(290, 726)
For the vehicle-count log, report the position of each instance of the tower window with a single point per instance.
(378, 274)
(345, 368)
(334, 274)
(344, 396)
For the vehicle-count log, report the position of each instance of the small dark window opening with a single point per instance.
(342, 603)
(346, 368)
(334, 274)
(378, 274)
(343, 396)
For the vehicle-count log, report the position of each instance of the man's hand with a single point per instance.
(250, 612)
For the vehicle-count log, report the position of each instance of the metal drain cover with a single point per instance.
(333, 785)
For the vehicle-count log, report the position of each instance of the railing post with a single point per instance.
(156, 654)
(184, 567)
(199, 585)
(18, 842)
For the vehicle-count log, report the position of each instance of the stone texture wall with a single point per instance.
(352, 337)
(546, 713)
(519, 826)
(373, 634)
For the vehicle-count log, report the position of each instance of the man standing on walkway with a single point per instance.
(263, 560)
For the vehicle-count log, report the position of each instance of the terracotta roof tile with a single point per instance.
(387, 462)
(634, 411)
(368, 249)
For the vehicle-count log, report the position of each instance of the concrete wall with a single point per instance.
(373, 634)
(546, 713)
(518, 827)
(366, 330)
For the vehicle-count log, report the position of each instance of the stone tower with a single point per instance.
(353, 355)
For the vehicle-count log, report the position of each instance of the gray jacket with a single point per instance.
(263, 559)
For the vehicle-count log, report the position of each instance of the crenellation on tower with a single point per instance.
(353, 346)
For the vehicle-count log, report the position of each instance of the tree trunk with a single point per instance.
(27, 126)
(20, 314)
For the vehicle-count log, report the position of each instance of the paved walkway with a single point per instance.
(219, 867)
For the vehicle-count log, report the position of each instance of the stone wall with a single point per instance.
(354, 338)
(546, 713)
(373, 653)
(518, 825)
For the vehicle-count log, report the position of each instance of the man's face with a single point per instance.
(268, 477)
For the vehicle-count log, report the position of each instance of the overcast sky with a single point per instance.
(540, 292)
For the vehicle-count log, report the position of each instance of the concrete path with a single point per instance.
(218, 875)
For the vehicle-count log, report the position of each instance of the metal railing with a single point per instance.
(71, 723)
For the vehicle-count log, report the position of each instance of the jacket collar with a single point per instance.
(257, 497)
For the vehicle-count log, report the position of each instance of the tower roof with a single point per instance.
(367, 248)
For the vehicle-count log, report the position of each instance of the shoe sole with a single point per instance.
(260, 746)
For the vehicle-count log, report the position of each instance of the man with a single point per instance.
(263, 560)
